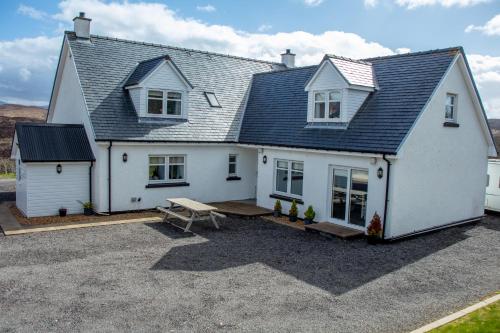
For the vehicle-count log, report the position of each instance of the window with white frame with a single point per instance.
(233, 165)
(451, 107)
(167, 168)
(289, 177)
(327, 104)
(157, 99)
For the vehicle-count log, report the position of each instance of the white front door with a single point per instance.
(348, 196)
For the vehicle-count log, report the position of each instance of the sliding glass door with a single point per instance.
(349, 196)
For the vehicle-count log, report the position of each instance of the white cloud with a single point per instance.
(313, 3)
(486, 72)
(22, 101)
(370, 3)
(412, 4)
(25, 74)
(264, 27)
(206, 8)
(155, 22)
(491, 28)
(402, 50)
(31, 12)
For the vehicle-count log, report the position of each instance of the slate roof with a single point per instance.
(105, 64)
(53, 143)
(276, 112)
(356, 72)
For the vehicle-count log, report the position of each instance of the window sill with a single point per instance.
(450, 124)
(230, 178)
(157, 185)
(285, 198)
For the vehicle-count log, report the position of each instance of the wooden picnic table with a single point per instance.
(197, 211)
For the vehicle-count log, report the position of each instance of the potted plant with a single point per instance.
(374, 229)
(62, 212)
(277, 208)
(88, 208)
(293, 212)
(309, 215)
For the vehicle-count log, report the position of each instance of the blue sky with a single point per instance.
(31, 32)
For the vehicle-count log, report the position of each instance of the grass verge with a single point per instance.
(9, 175)
(484, 320)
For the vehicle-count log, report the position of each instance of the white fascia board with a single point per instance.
(476, 99)
(14, 148)
(57, 78)
(105, 143)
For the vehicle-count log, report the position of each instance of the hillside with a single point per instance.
(9, 115)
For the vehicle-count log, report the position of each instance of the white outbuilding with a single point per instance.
(53, 168)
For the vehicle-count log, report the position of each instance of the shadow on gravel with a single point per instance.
(335, 266)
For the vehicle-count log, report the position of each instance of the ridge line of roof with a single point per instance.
(285, 70)
(359, 61)
(409, 54)
(178, 48)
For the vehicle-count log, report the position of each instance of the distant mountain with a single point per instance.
(9, 115)
(2, 102)
(495, 130)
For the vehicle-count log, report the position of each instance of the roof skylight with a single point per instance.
(212, 99)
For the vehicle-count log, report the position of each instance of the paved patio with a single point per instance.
(249, 276)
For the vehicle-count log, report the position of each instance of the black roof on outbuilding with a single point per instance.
(53, 143)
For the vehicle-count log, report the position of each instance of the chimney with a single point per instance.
(82, 26)
(288, 59)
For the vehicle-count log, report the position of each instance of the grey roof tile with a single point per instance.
(105, 64)
(276, 113)
(356, 72)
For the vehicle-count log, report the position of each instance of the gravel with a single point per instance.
(250, 276)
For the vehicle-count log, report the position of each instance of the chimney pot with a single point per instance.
(82, 26)
(288, 59)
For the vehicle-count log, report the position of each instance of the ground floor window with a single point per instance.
(289, 177)
(349, 195)
(165, 168)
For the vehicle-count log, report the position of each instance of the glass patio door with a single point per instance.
(349, 196)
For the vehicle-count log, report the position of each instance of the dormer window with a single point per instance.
(327, 104)
(155, 102)
(158, 98)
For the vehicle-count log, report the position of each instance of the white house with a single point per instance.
(404, 136)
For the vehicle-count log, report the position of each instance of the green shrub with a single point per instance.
(277, 206)
(293, 210)
(310, 213)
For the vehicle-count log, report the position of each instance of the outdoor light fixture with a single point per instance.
(125, 157)
(264, 159)
(59, 168)
(380, 173)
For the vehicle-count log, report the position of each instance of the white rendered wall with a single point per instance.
(47, 191)
(493, 189)
(206, 172)
(440, 175)
(21, 180)
(317, 178)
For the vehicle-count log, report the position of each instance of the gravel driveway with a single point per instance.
(250, 276)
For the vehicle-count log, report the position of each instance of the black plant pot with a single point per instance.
(277, 213)
(308, 221)
(88, 211)
(373, 240)
(63, 212)
(292, 218)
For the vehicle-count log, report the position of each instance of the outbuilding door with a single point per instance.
(348, 196)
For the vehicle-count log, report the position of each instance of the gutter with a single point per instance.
(109, 176)
(386, 194)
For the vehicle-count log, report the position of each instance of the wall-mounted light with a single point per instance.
(380, 173)
(59, 168)
(264, 159)
(125, 157)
